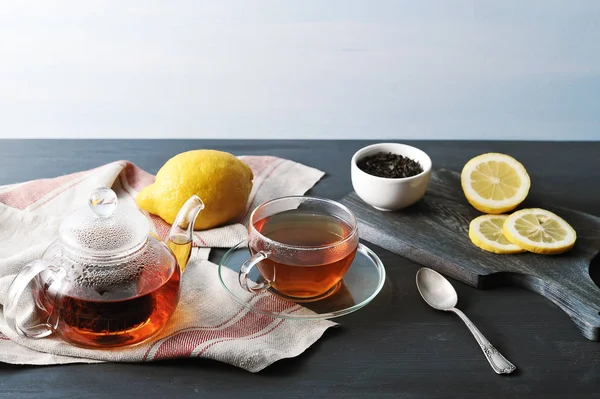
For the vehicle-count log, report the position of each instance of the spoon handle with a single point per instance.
(498, 362)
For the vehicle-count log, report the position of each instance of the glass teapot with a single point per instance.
(106, 280)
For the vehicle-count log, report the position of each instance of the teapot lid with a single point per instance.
(104, 229)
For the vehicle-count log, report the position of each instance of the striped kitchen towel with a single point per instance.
(207, 322)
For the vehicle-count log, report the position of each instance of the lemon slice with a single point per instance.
(540, 231)
(494, 183)
(486, 232)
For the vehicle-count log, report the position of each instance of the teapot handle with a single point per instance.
(16, 289)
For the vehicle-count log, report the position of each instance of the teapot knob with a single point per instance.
(103, 202)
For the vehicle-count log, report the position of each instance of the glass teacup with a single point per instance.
(301, 246)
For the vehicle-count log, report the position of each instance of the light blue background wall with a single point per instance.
(510, 69)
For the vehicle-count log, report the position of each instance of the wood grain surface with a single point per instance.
(397, 346)
(434, 233)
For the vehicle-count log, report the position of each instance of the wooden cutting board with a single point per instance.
(434, 233)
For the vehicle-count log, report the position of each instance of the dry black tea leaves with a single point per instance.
(392, 166)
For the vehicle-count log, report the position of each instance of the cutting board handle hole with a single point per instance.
(595, 270)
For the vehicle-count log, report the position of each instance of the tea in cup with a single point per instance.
(301, 246)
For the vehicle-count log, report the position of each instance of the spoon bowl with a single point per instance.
(441, 295)
(436, 290)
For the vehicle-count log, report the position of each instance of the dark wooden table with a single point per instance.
(396, 346)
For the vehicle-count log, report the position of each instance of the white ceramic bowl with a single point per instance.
(390, 194)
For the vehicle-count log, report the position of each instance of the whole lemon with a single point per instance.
(222, 181)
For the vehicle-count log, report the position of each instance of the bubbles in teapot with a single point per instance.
(90, 234)
(150, 268)
(112, 236)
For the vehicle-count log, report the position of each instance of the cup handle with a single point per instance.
(15, 291)
(247, 267)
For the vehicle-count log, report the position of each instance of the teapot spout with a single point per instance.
(180, 237)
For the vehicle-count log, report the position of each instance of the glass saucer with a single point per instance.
(362, 282)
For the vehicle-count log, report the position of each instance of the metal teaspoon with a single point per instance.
(440, 295)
